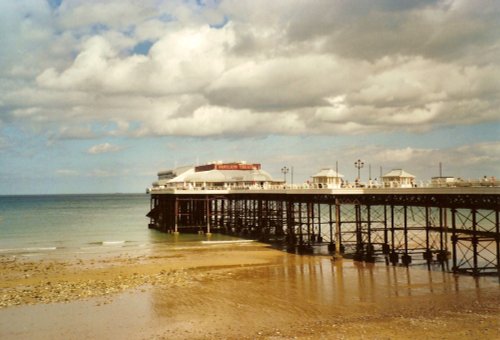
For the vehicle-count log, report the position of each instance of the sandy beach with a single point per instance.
(232, 291)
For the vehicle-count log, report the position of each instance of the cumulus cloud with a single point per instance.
(234, 68)
(467, 161)
(91, 173)
(101, 173)
(113, 14)
(103, 148)
(66, 172)
(181, 62)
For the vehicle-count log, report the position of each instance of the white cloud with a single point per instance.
(274, 68)
(75, 132)
(184, 61)
(282, 83)
(213, 121)
(92, 173)
(66, 172)
(467, 161)
(103, 148)
(114, 14)
(101, 173)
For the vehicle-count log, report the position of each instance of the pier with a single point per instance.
(395, 225)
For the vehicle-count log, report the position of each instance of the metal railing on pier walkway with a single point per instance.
(398, 225)
(490, 183)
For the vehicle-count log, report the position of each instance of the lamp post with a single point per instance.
(359, 164)
(284, 171)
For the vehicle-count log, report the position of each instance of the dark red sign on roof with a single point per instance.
(227, 166)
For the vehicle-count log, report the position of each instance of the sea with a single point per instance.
(102, 224)
(91, 224)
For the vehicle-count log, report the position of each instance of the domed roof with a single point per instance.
(226, 176)
(327, 172)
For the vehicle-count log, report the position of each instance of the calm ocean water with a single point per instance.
(75, 224)
(54, 225)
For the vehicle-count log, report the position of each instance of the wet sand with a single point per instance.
(239, 291)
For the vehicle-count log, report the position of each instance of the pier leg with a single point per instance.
(176, 217)
(310, 230)
(406, 258)
(319, 238)
(454, 240)
(304, 245)
(428, 253)
(291, 238)
(393, 256)
(369, 256)
(331, 245)
(301, 240)
(230, 216)
(208, 233)
(497, 241)
(338, 232)
(442, 254)
(475, 270)
(359, 254)
(385, 247)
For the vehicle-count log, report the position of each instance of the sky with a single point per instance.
(98, 96)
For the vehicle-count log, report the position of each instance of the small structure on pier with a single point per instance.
(215, 175)
(328, 178)
(443, 181)
(165, 177)
(398, 178)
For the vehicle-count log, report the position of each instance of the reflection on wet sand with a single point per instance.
(303, 290)
(252, 291)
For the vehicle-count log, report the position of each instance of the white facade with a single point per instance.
(328, 178)
(398, 178)
(443, 181)
(219, 176)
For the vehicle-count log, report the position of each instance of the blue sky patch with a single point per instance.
(221, 24)
(143, 47)
(54, 3)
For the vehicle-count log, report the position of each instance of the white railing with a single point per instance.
(315, 186)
